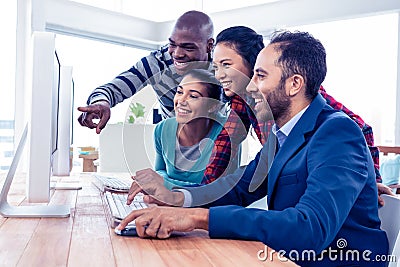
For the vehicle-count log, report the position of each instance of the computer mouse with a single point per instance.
(128, 231)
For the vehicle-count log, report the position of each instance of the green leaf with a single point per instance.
(137, 109)
(131, 119)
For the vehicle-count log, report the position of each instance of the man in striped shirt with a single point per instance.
(190, 46)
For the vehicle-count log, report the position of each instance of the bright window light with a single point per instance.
(362, 68)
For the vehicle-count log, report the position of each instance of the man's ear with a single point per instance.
(296, 83)
(210, 45)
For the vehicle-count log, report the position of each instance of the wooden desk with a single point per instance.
(85, 239)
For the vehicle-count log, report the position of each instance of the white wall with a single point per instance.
(70, 17)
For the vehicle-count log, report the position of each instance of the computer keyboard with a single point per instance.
(116, 203)
(106, 183)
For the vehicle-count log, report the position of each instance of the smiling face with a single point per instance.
(267, 88)
(188, 49)
(191, 100)
(261, 107)
(230, 69)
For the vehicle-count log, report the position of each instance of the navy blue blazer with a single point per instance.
(322, 194)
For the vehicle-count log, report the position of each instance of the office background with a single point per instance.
(100, 39)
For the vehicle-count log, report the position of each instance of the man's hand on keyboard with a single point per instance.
(160, 222)
(152, 185)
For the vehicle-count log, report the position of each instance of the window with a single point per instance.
(362, 68)
(7, 69)
(95, 63)
(362, 61)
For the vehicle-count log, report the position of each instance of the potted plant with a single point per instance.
(137, 113)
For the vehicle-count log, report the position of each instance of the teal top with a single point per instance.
(166, 143)
(390, 170)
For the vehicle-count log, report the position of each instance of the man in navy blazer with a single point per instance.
(322, 194)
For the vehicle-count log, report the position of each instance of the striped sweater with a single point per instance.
(156, 69)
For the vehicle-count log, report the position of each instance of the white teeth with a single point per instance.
(183, 111)
(226, 84)
(258, 100)
(180, 63)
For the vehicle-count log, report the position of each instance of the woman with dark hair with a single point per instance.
(237, 48)
(234, 57)
(184, 143)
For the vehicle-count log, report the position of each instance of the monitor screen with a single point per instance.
(56, 102)
(63, 136)
(50, 118)
(72, 111)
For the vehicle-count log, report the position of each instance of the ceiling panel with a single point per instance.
(161, 10)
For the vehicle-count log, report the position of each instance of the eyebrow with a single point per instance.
(223, 60)
(181, 44)
(258, 70)
(191, 90)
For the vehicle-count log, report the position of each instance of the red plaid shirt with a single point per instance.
(238, 123)
(365, 128)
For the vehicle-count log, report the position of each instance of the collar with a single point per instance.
(287, 127)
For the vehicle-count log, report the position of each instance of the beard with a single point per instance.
(279, 102)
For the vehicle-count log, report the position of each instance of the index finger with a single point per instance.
(85, 109)
(133, 191)
(130, 217)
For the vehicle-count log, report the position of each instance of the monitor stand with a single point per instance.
(37, 211)
(65, 185)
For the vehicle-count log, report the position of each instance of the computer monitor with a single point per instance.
(61, 163)
(49, 135)
(44, 115)
(48, 132)
(43, 122)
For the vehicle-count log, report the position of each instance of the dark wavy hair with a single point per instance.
(214, 87)
(301, 54)
(245, 41)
